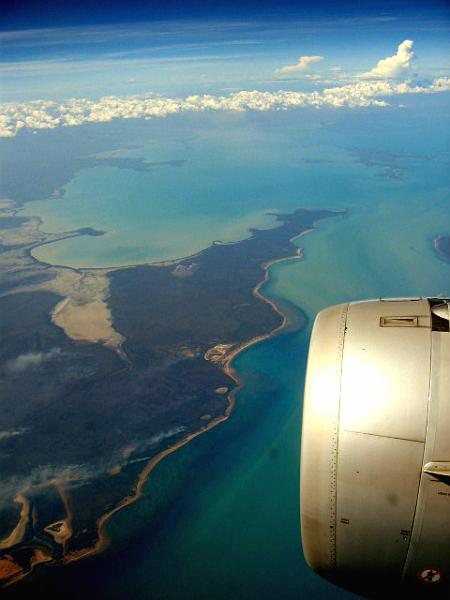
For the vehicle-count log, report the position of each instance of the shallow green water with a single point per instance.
(222, 181)
(231, 531)
(220, 516)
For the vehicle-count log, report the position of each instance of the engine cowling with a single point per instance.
(375, 457)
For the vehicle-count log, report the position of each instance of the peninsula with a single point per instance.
(108, 371)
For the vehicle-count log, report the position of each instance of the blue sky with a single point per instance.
(26, 14)
(58, 50)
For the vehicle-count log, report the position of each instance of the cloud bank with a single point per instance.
(392, 66)
(47, 114)
(303, 63)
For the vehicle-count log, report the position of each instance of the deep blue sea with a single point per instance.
(220, 517)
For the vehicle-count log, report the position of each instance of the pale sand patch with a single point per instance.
(221, 390)
(60, 532)
(89, 322)
(83, 314)
(18, 532)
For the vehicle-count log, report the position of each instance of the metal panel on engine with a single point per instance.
(375, 485)
(429, 552)
(378, 479)
(386, 369)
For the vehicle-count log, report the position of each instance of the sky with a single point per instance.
(26, 14)
(54, 51)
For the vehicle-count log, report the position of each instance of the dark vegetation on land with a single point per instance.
(88, 421)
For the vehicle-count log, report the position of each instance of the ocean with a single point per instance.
(220, 517)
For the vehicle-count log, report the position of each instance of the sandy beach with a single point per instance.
(226, 364)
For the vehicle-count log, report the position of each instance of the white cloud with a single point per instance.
(6, 435)
(43, 476)
(47, 114)
(392, 66)
(152, 441)
(303, 63)
(31, 359)
(163, 435)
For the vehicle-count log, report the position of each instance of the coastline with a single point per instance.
(225, 362)
(18, 532)
(103, 540)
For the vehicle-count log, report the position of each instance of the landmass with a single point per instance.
(33, 166)
(108, 159)
(441, 244)
(106, 371)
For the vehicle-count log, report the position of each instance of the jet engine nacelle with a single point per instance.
(375, 458)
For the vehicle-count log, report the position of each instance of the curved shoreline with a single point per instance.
(18, 532)
(103, 540)
(80, 232)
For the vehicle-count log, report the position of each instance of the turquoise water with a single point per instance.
(219, 518)
(218, 183)
(230, 526)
